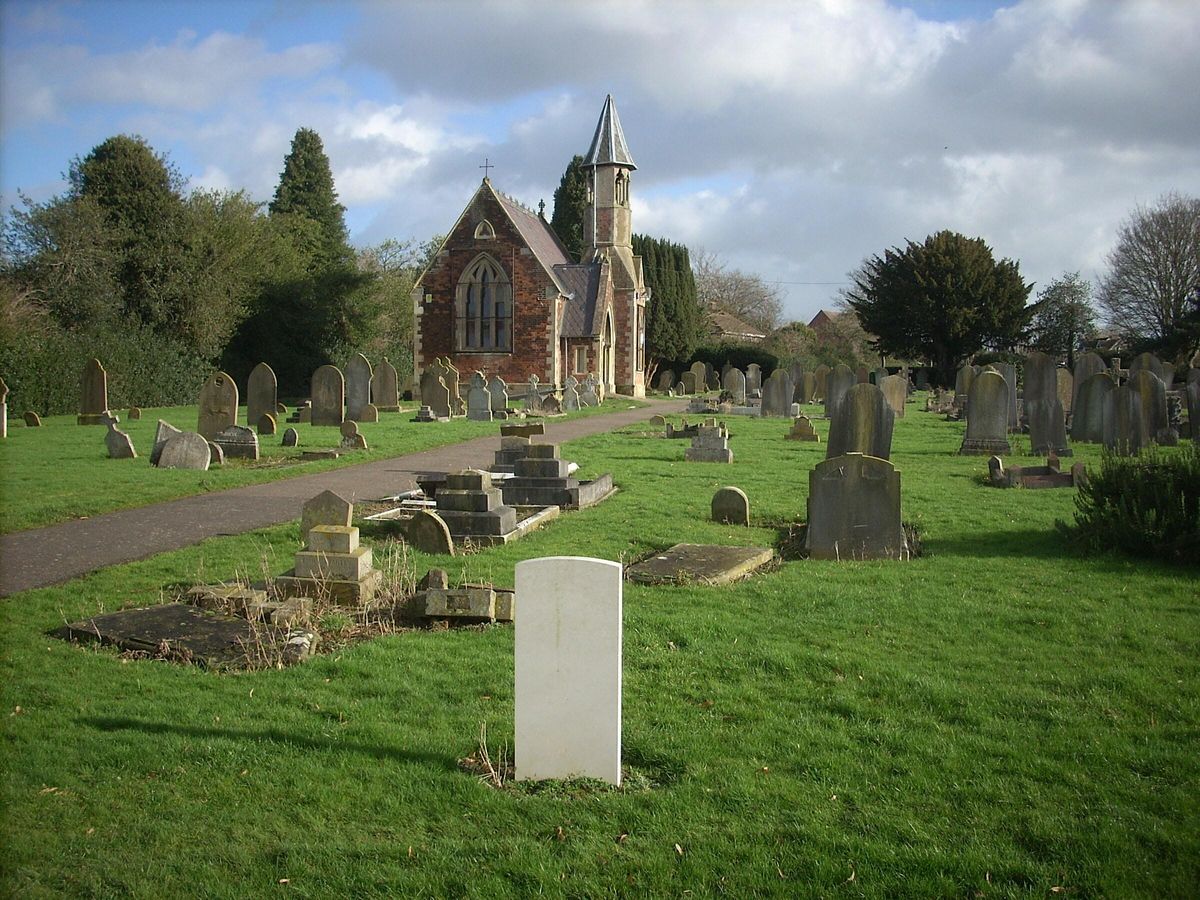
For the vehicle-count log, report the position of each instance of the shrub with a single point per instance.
(1145, 506)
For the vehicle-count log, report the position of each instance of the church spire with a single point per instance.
(608, 146)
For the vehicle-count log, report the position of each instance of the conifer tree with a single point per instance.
(306, 190)
(571, 208)
(673, 318)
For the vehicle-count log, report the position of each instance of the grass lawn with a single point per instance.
(993, 718)
(62, 471)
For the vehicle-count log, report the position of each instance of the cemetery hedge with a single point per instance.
(997, 717)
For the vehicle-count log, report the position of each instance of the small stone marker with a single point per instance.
(658, 421)
(327, 508)
(862, 423)
(358, 388)
(351, 438)
(429, 533)
(267, 424)
(987, 416)
(711, 444)
(854, 510)
(328, 396)
(261, 395)
(185, 450)
(93, 389)
(237, 442)
(33, 420)
(568, 669)
(118, 442)
(711, 564)
(802, 430)
(385, 387)
(291, 437)
(731, 506)
(135, 412)
(218, 405)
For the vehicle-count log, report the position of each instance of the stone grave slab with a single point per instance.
(700, 564)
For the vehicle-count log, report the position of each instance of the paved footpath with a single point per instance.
(57, 553)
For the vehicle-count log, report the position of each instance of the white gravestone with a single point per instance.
(568, 669)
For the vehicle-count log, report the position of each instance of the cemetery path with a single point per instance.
(53, 554)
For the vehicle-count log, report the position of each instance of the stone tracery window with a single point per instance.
(483, 307)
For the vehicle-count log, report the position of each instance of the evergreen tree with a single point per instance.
(1063, 318)
(674, 324)
(571, 208)
(941, 300)
(306, 190)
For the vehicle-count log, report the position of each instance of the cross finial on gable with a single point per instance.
(486, 166)
(541, 209)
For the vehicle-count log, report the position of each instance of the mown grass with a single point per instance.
(62, 471)
(994, 718)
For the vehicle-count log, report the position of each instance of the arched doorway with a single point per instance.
(608, 354)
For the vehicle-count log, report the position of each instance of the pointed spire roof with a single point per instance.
(608, 146)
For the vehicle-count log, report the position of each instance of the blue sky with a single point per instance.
(791, 139)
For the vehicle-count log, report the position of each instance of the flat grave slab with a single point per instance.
(700, 564)
(184, 632)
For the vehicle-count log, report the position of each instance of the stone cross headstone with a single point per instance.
(498, 395)
(328, 396)
(93, 389)
(261, 394)
(777, 394)
(457, 405)
(570, 394)
(838, 382)
(533, 398)
(987, 416)
(567, 720)
(753, 379)
(821, 373)
(385, 387)
(854, 510)
(730, 505)
(479, 399)
(735, 383)
(116, 441)
(218, 405)
(1091, 398)
(862, 423)
(589, 394)
(895, 391)
(358, 389)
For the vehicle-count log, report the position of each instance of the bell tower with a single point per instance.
(609, 226)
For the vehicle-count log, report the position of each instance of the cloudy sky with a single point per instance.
(791, 139)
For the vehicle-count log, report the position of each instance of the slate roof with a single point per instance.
(608, 145)
(724, 323)
(582, 314)
(538, 235)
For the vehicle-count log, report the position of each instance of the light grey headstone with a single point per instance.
(777, 394)
(854, 510)
(895, 391)
(839, 380)
(862, 423)
(570, 394)
(118, 442)
(589, 392)
(987, 416)
(261, 394)
(163, 433)
(218, 405)
(567, 720)
(479, 399)
(186, 450)
(731, 506)
(533, 397)
(735, 383)
(328, 396)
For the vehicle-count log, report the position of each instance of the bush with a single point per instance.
(1145, 506)
(737, 355)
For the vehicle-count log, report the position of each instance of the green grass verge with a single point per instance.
(994, 718)
(62, 471)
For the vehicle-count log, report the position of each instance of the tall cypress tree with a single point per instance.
(306, 189)
(571, 208)
(673, 319)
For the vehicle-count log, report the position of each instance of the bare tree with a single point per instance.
(1152, 290)
(738, 293)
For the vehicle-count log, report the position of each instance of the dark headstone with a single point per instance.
(862, 423)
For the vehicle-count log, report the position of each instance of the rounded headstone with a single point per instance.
(135, 412)
(185, 450)
(266, 424)
(731, 505)
(32, 419)
(291, 437)
(428, 532)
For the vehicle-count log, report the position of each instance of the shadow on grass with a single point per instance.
(271, 735)
(1029, 543)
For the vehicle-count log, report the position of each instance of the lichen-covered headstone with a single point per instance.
(854, 510)
(862, 423)
(806, 390)
(1091, 398)
(135, 412)
(186, 450)
(261, 394)
(358, 388)
(327, 508)
(328, 396)
(837, 384)
(1009, 371)
(218, 405)
(731, 506)
(987, 416)
(93, 390)
(428, 532)
(385, 387)
(777, 394)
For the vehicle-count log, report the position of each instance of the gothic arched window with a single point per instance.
(483, 307)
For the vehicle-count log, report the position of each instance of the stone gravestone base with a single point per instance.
(700, 564)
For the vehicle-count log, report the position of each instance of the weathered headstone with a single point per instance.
(1043, 409)
(358, 388)
(837, 383)
(352, 439)
(700, 376)
(1087, 422)
(186, 450)
(261, 394)
(93, 389)
(731, 506)
(291, 437)
(479, 399)
(1154, 400)
(796, 371)
(1126, 430)
(1146, 362)
(802, 430)
(806, 390)
(533, 397)
(854, 510)
(428, 532)
(498, 395)
(385, 387)
(895, 391)
(821, 373)
(1193, 406)
(735, 383)
(567, 719)
(570, 394)
(216, 454)
(1009, 371)
(1086, 365)
(589, 391)
(458, 406)
(118, 442)
(753, 379)
(135, 412)
(666, 380)
(32, 419)
(862, 423)
(163, 433)
(218, 405)
(987, 416)
(962, 384)
(862, 375)
(551, 406)
(1066, 389)
(688, 382)
(328, 396)
(712, 379)
(437, 397)
(267, 425)
(777, 394)
(237, 442)
(327, 508)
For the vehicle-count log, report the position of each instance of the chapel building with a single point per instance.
(503, 297)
